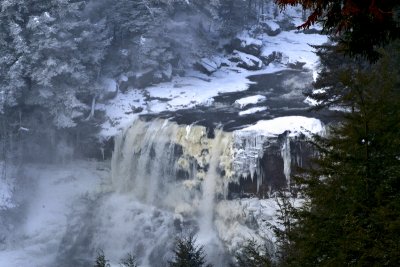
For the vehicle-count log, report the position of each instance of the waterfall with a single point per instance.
(143, 161)
(175, 168)
(178, 177)
(207, 234)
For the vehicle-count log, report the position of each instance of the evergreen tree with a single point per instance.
(254, 255)
(50, 54)
(285, 223)
(332, 89)
(363, 25)
(351, 216)
(187, 254)
(129, 261)
(101, 260)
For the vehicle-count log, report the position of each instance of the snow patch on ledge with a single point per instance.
(252, 111)
(247, 40)
(254, 99)
(294, 124)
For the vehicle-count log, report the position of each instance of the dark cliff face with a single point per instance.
(271, 175)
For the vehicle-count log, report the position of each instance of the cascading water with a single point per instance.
(143, 160)
(207, 234)
(175, 178)
(178, 169)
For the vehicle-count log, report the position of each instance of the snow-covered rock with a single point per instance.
(247, 44)
(275, 56)
(255, 99)
(246, 61)
(146, 77)
(294, 47)
(294, 124)
(109, 89)
(271, 28)
(208, 66)
(164, 74)
(252, 111)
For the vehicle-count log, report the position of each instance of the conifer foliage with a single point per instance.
(352, 212)
(363, 25)
(188, 254)
(101, 260)
(254, 255)
(129, 261)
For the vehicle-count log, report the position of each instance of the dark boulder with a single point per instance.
(246, 61)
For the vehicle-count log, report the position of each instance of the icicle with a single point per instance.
(249, 149)
(287, 159)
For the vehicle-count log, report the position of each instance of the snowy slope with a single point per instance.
(197, 89)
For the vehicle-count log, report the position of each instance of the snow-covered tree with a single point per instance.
(52, 53)
(187, 254)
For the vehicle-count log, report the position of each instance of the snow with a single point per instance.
(295, 46)
(210, 65)
(119, 111)
(310, 101)
(272, 25)
(197, 89)
(181, 93)
(109, 84)
(246, 40)
(250, 61)
(240, 220)
(255, 99)
(294, 124)
(252, 111)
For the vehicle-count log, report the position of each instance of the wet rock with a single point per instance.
(275, 56)
(207, 66)
(311, 31)
(125, 82)
(287, 24)
(164, 74)
(271, 28)
(210, 65)
(144, 78)
(296, 65)
(247, 45)
(134, 110)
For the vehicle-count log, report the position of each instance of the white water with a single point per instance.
(148, 163)
(207, 234)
